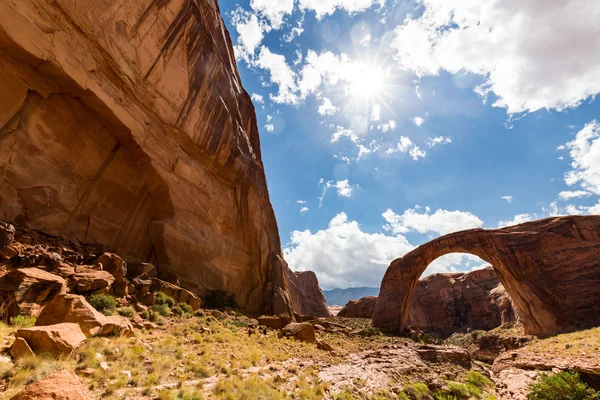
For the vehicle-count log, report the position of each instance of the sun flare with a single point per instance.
(368, 82)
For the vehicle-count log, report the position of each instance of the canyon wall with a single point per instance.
(123, 123)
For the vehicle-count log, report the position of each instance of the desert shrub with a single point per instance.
(186, 308)
(417, 391)
(104, 303)
(199, 313)
(161, 309)
(220, 299)
(161, 298)
(22, 321)
(562, 386)
(145, 314)
(477, 379)
(126, 311)
(462, 391)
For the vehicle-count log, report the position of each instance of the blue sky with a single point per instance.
(387, 123)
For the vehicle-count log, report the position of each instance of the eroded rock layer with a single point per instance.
(549, 268)
(124, 124)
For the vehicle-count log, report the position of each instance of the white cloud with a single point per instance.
(405, 145)
(363, 150)
(273, 10)
(533, 55)
(343, 255)
(432, 142)
(576, 194)
(257, 98)
(250, 33)
(281, 74)
(270, 128)
(322, 8)
(365, 40)
(418, 121)
(343, 132)
(387, 126)
(518, 219)
(507, 198)
(303, 210)
(440, 222)
(376, 113)
(327, 108)
(301, 201)
(269, 118)
(344, 189)
(585, 152)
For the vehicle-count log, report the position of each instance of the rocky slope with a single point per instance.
(549, 268)
(124, 124)
(445, 303)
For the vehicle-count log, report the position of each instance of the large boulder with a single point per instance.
(72, 308)
(179, 294)
(138, 268)
(27, 290)
(20, 349)
(362, 308)
(62, 385)
(7, 235)
(547, 267)
(304, 332)
(60, 339)
(306, 295)
(273, 322)
(92, 281)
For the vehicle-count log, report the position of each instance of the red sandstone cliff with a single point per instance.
(124, 123)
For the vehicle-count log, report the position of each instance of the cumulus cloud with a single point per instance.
(303, 210)
(432, 142)
(327, 108)
(405, 145)
(323, 8)
(518, 219)
(376, 113)
(585, 153)
(575, 194)
(344, 189)
(387, 126)
(270, 128)
(418, 121)
(440, 222)
(344, 132)
(273, 10)
(250, 33)
(531, 56)
(507, 198)
(257, 98)
(301, 201)
(281, 74)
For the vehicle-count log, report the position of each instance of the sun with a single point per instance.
(368, 82)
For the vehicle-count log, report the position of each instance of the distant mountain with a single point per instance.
(339, 297)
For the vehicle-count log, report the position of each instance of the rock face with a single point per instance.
(363, 308)
(124, 124)
(27, 290)
(306, 294)
(550, 269)
(445, 303)
(62, 385)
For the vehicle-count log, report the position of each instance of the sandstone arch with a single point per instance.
(550, 268)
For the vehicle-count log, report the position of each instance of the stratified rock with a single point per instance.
(72, 308)
(26, 290)
(139, 268)
(20, 349)
(92, 282)
(304, 332)
(180, 295)
(60, 339)
(362, 308)
(306, 295)
(150, 147)
(444, 354)
(62, 385)
(549, 268)
(7, 235)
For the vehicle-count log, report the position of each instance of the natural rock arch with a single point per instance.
(550, 268)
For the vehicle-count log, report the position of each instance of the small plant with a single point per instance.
(104, 303)
(22, 321)
(417, 391)
(186, 308)
(479, 380)
(199, 313)
(220, 299)
(161, 309)
(562, 386)
(145, 314)
(162, 299)
(126, 311)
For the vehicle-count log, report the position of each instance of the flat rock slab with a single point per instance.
(60, 339)
(62, 385)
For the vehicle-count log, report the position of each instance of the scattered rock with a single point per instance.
(20, 349)
(323, 345)
(179, 294)
(92, 281)
(63, 385)
(7, 234)
(54, 339)
(27, 290)
(303, 331)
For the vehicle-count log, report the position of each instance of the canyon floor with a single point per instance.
(216, 358)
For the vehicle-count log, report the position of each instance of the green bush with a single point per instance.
(219, 299)
(161, 309)
(161, 298)
(562, 386)
(199, 313)
(104, 303)
(479, 380)
(126, 311)
(186, 308)
(22, 321)
(145, 314)
(417, 391)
